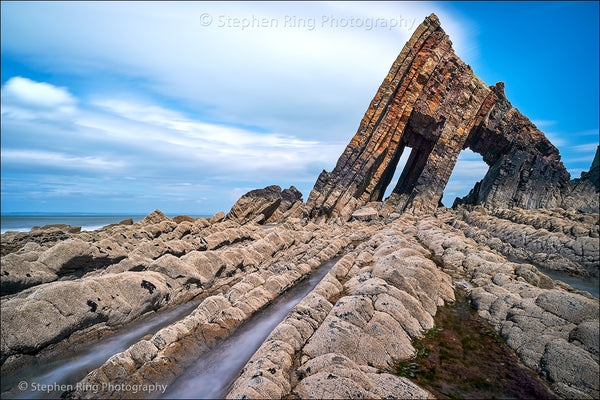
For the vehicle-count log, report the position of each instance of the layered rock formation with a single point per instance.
(556, 243)
(432, 103)
(268, 204)
(62, 288)
(584, 193)
(353, 325)
(342, 340)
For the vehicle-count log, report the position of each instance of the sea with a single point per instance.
(87, 222)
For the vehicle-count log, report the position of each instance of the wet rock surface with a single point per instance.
(343, 339)
(534, 314)
(462, 357)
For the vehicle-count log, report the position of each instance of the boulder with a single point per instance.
(365, 214)
(257, 205)
(218, 217)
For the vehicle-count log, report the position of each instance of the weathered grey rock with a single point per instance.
(183, 218)
(553, 250)
(154, 217)
(18, 273)
(570, 306)
(584, 193)
(536, 318)
(290, 206)
(218, 217)
(334, 376)
(46, 236)
(572, 366)
(45, 315)
(587, 333)
(363, 328)
(274, 270)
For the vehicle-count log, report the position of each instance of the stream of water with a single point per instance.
(213, 373)
(589, 284)
(72, 367)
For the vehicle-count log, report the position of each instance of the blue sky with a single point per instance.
(127, 107)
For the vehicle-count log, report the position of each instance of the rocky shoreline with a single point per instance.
(400, 260)
(385, 290)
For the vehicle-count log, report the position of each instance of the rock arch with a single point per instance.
(432, 102)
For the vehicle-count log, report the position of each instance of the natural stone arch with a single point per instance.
(432, 102)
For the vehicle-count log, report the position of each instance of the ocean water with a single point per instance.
(24, 223)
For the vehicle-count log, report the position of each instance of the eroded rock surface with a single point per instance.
(538, 317)
(282, 258)
(353, 326)
(550, 239)
(63, 287)
(432, 103)
(583, 194)
(268, 204)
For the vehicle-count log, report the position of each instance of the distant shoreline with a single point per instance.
(87, 222)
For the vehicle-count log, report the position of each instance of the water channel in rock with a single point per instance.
(37, 381)
(213, 373)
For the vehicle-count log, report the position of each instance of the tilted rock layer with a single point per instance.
(62, 288)
(432, 103)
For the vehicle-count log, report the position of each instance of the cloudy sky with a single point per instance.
(127, 107)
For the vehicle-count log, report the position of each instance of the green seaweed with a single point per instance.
(463, 357)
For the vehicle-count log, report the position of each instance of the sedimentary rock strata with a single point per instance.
(538, 317)
(268, 204)
(354, 325)
(344, 337)
(64, 288)
(432, 103)
(569, 246)
(165, 355)
(583, 194)
(160, 264)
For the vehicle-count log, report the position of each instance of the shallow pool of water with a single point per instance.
(463, 358)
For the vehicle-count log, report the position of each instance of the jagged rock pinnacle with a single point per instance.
(432, 104)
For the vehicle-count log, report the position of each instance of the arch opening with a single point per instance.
(470, 169)
(400, 168)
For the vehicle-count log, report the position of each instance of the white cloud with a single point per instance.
(585, 148)
(25, 99)
(37, 94)
(139, 142)
(589, 132)
(542, 124)
(60, 160)
(296, 81)
(556, 139)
